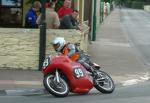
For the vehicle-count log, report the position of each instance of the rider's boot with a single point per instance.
(87, 67)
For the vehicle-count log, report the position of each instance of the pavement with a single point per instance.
(116, 54)
(111, 50)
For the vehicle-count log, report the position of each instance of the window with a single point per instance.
(10, 13)
(15, 3)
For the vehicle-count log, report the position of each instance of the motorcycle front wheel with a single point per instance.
(103, 82)
(60, 89)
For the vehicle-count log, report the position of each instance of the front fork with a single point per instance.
(57, 76)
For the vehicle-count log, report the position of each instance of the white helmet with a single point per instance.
(58, 43)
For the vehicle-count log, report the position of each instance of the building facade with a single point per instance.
(13, 11)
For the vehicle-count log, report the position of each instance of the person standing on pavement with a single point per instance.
(31, 16)
(65, 9)
(70, 21)
(52, 19)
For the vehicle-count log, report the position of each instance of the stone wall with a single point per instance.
(19, 48)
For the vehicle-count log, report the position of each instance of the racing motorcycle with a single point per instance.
(63, 75)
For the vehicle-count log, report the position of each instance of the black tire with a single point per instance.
(52, 87)
(108, 82)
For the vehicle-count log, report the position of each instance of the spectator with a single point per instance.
(65, 10)
(70, 21)
(31, 16)
(47, 3)
(105, 10)
(52, 19)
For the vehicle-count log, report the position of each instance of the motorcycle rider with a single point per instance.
(70, 50)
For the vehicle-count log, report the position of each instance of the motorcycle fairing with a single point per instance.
(78, 84)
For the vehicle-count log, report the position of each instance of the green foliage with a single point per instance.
(137, 4)
(107, 0)
(128, 3)
(59, 4)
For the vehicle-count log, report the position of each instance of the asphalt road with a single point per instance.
(137, 25)
(131, 94)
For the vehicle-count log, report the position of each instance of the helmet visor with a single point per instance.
(56, 46)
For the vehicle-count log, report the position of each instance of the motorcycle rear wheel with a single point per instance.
(104, 82)
(56, 89)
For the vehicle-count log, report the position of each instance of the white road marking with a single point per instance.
(136, 81)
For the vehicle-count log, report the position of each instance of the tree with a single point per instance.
(59, 4)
